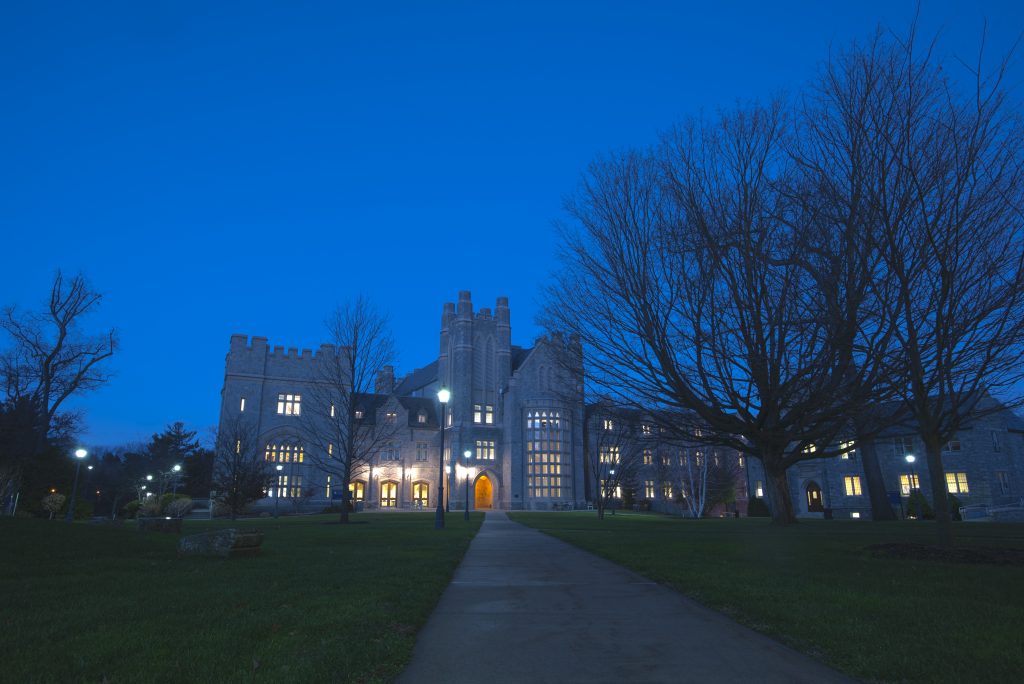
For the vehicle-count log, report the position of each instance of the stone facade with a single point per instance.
(514, 409)
(986, 462)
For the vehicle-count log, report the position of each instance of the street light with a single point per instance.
(443, 395)
(174, 480)
(468, 454)
(277, 494)
(79, 454)
(913, 480)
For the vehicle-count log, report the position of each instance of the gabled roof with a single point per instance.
(369, 404)
(418, 379)
(416, 405)
(518, 356)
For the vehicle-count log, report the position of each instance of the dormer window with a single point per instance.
(391, 416)
(359, 414)
(645, 429)
(609, 424)
(421, 418)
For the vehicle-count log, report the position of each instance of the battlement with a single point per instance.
(257, 346)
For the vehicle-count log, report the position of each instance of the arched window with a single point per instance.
(388, 494)
(284, 453)
(544, 454)
(420, 494)
(357, 490)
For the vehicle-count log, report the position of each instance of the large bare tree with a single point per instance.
(942, 169)
(701, 286)
(344, 425)
(50, 360)
(241, 474)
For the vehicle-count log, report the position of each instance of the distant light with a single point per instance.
(149, 477)
(910, 458)
(448, 469)
(443, 395)
(88, 467)
(279, 468)
(176, 468)
(81, 453)
(467, 453)
(855, 514)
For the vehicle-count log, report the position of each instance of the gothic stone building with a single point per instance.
(510, 409)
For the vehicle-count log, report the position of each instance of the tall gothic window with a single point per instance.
(544, 454)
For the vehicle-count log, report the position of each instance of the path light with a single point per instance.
(79, 455)
(443, 395)
(277, 494)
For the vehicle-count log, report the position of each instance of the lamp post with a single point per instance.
(443, 395)
(277, 494)
(468, 454)
(913, 480)
(79, 455)
(174, 480)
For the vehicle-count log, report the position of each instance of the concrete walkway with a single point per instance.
(525, 607)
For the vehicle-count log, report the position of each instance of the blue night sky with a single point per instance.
(216, 168)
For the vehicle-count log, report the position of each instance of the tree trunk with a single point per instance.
(600, 508)
(940, 500)
(778, 495)
(345, 494)
(881, 509)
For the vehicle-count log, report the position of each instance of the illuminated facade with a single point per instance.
(515, 410)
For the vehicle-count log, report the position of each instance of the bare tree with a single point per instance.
(700, 288)
(341, 423)
(944, 181)
(241, 474)
(50, 360)
(613, 455)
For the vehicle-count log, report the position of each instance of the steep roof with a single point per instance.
(415, 405)
(418, 379)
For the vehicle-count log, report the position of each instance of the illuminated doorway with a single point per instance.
(814, 504)
(483, 493)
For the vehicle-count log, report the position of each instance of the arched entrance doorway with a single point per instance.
(483, 493)
(814, 504)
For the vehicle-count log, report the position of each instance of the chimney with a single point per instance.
(385, 380)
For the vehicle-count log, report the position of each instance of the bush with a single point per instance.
(179, 507)
(954, 507)
(131, 509)
(757, 508)
(918, 506)
(52, 503)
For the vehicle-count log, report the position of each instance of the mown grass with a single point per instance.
(322, 602)
(814, 587)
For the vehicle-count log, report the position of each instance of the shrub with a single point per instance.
(918, 506)
(954, 507)
(150, 507)
(179, 507)
(757, 508)
(131, 509)
(52, 503)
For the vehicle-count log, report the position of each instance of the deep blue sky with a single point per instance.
(218, 168)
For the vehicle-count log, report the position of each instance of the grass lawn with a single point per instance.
(322, 602)
(812, 586)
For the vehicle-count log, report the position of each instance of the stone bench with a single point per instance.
(229, 543)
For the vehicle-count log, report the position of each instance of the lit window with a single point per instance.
(995, 441)
(288, 404)
(330, 451)
(848, 450)
(545, 433)
(952, 446)
(391, 416)
(390, 452)
(421, 451)
(810, 449)
(388, 494)
(759, 489)
(699, 457)
(648, 457)
(288, 487)
(284, 453)
(420, 494)
(648, 489)
(852, 485)
(645, 429)
(666, 492)
(448, 420)
(956, 483)
(609, 424)
(357, 490)
(241, 408)
(332, 410)
(665, 459)
(609, 454)
(611, 490)
(489, 415)
(359, 414)
(485, 450)
(421, 418)
(478, 416)
(908, 481)
(1004, 482)
(855, 514)
(328, 494)
(238, 446)
(739, 460)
